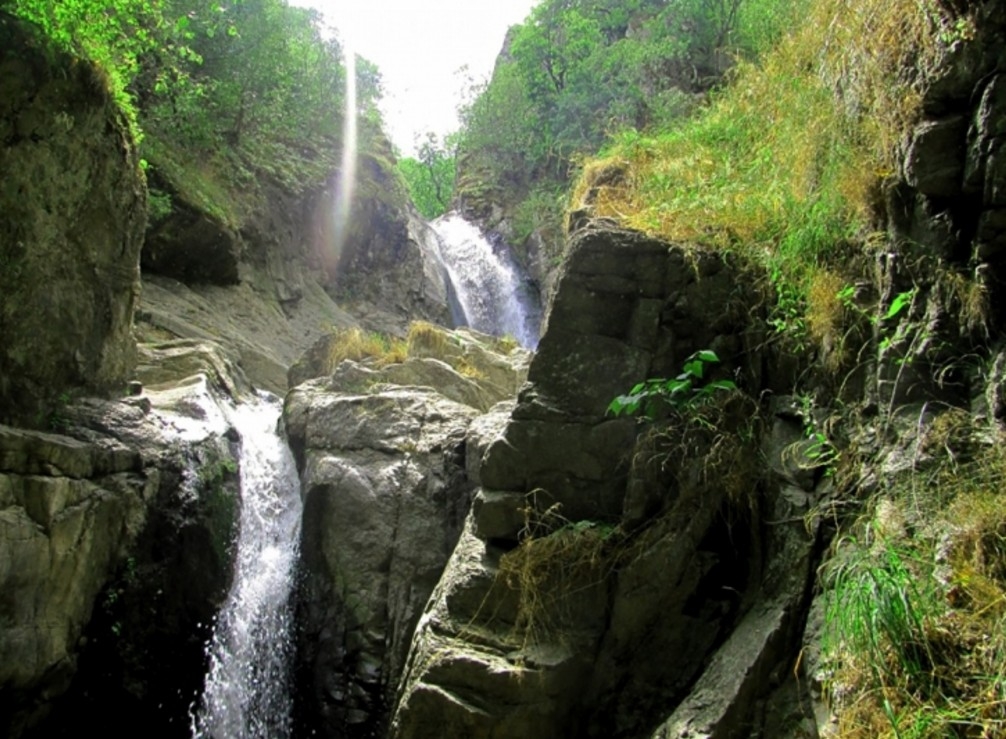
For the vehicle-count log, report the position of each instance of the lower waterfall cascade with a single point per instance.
(493, 295)
(247, 692)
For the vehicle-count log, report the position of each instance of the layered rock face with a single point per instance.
(115, 551)
(383, 455)
(268, 280)
(385, 267)
(68, 511)
(72, 214)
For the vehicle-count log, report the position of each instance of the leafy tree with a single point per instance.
(578, 70)
(113, 33)
(244, 88)
(430, 177)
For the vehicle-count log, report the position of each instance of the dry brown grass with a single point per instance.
(967, 298)
(787, 161)
(356, 344)
(426, 339)
(556, 558)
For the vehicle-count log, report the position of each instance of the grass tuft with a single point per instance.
(355, 344)
(556, 558)
(915, 640)
(429, 338)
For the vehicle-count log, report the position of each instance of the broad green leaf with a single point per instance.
(694, 368)
(722, 385)
(901, 300)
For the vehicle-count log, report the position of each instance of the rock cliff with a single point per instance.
(607, 575)
(482, 556)
(72, 214)
(267, 270)
(624, 581)
(115, 550)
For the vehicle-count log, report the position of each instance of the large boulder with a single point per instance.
(384, 451)
(72, 214)
(384, 498)
(464, 365)
(609, 579)
(628, 307)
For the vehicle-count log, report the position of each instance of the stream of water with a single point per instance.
(247, 690)
(247, 693)
(493, 295)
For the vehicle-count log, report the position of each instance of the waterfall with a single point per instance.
(492, 294)
(247, 690)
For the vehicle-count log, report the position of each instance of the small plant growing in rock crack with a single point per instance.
(57, 419)
(817, 449)
(901, 301)
(115, 594)
(687, 389)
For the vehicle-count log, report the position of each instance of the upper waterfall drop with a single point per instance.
(493, 295)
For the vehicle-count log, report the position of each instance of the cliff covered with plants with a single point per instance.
(573, 74)
(751, 485)
(805, 536)
(851, 167)
(248, 131)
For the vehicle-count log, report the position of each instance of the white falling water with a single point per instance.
(492, 294)
(247, 691)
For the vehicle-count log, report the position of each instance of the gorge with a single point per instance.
(269, 473)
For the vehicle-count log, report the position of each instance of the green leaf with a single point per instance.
(900, 302)
(707, 355)
(694, 369)
(675, 387)
(721, 385)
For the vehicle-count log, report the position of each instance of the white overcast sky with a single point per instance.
(419, 45)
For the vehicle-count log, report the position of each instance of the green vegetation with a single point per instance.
(689, 388)
(217, 473)
(228, 97)
(779, 163)
(114, 34)
(577, 71)
(430, 178)
(915, 641)
(788, 164)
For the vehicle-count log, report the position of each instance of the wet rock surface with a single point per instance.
(115, 551)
